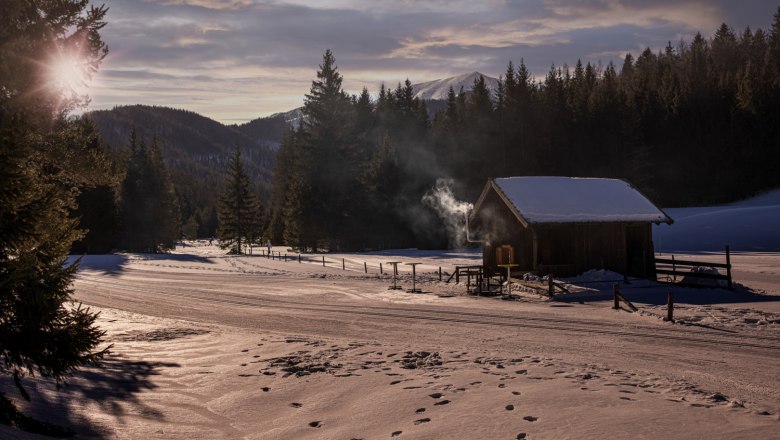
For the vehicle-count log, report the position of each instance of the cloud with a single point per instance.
(262, 55)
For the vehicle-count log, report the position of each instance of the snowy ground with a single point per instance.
(210, 346)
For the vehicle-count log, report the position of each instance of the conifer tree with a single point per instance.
(149, 206)
(239, 210)
(39, 166)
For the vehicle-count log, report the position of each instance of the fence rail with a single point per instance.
(671, 266)
(342, 263)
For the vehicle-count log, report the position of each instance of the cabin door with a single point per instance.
(636, 250)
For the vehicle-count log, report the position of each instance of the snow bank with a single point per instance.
(748, 225)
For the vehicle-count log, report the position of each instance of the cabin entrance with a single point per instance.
(636, 257)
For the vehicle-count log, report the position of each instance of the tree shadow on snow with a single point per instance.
(182, 258)
(111, 264)
(114, 388)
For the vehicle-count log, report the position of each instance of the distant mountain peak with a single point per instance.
(439, 88)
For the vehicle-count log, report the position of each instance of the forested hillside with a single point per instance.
(196, 150)
(695, 123)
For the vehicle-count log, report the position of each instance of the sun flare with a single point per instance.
(68, 74)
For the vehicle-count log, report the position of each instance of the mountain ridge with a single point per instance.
(439, 88)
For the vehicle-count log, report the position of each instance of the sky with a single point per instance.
(237, 60)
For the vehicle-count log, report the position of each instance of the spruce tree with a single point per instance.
(239, 210)
(149, 206)
(39, 173)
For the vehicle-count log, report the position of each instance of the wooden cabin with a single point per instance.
(565, 226)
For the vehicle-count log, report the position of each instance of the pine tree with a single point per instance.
(165, 219)
(239, 210)
(149, 206)
(38, 333)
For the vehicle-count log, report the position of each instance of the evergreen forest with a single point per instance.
(695, 123)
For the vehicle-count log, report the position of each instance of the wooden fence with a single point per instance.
(673, 268)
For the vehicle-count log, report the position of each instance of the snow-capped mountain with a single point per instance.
(439, 88)
(293, 117)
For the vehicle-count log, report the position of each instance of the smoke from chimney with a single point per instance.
(451, 210)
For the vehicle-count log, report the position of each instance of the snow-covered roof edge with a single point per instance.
(658, 217)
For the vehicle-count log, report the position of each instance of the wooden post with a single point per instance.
(550, 285)
(457, 275)
(728, 267)
(615, 293)
(285, 258)
(674, 270)
(299, 258)
(365, 267)
(343, 266)
(381, 271)
(439, 273)
(670, 307)
(323, 261)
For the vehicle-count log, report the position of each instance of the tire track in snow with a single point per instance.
(459, 317)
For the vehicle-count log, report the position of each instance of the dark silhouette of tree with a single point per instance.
(239, 209)
(44, 160)
(149, 206)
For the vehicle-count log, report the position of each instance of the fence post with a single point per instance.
(299, 258)
(457, 275)
(670, 307)
(343, 266)
(365, 267)
(550, 285)
(285, 258)
(728, 267)
(381, 271)
(674, 270)
(439, 273)
(615, 293)
(323, 261)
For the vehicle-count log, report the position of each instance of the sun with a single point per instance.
(67, 73)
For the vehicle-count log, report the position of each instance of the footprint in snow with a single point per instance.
(396, 433)
(531, 418)
(420, 421)
(315, 424)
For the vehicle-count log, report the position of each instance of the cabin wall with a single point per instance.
(640, 258)
(570, 249)
(497, 225)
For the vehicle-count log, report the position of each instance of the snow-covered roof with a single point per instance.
(544, 199)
